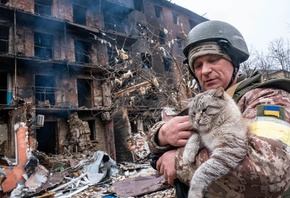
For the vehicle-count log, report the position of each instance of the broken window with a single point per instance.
(146, 60)
(115, 17)
(43, 44)
(92, 127)
(116, 23)
(158, 11)
(42, 7)
(175, 18)
(46, 138)
(44, 90)
(82, 51)
(138, 5)
(162, 37)
(3, 88)
(79, 14)
(85, 92)
(4, 39)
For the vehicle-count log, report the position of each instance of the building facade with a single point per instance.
(67, 65)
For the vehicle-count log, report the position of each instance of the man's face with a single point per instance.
(212, 71)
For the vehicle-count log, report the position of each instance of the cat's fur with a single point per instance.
(219, 126)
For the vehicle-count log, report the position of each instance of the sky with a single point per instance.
(259, 21)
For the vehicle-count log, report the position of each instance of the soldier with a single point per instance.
(214, 51)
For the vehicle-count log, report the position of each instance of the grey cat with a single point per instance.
(219, 126)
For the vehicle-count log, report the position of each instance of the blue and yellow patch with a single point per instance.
(272, 111)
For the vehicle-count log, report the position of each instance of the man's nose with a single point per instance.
(206, 68)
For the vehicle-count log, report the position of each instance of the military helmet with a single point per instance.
(228, 37)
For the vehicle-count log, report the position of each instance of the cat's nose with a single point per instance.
(198, 116)
(199, 122)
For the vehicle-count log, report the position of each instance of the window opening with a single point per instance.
(4, 39)
(158, 12)
(43, 7)
(93, 135)
(138, 5)
(85, 98)
(79, 14)
(46, 138)
(3, 88)
(175, 18)
(43, 44)
(44, 90)
(82, 51)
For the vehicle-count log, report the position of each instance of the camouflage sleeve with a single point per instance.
(265, 172)
(153, 140)
(254, 97)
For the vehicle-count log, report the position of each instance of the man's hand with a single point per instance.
(166, 166)
(175, 132)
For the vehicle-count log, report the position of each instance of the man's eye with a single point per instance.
(214, 59)
(197, 66)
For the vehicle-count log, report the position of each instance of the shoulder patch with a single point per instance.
(271, 110)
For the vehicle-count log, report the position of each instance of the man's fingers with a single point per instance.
(160, 166)
(184, 134)
(171, 181)
(182, 142)
(184, 126)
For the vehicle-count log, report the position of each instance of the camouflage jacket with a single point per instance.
(265, 172)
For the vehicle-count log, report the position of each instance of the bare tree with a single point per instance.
(265, 64)
(146, 75)
(279, 52)
(249, 66)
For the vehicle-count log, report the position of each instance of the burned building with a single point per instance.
(72, 69)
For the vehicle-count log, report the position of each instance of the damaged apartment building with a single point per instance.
(82, 75)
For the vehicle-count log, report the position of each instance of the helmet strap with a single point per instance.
(233, 77)
(194, 76)
(225, 46)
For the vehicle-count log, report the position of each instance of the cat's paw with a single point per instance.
(195, 193)
(187, 159)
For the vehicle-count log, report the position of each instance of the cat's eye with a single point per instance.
(212, 110)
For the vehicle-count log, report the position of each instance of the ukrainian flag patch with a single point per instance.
(272, 111)
(276, 111)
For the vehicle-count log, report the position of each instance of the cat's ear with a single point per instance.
(219, 92)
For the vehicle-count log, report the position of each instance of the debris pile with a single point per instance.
(78, 175)
(79, 133)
